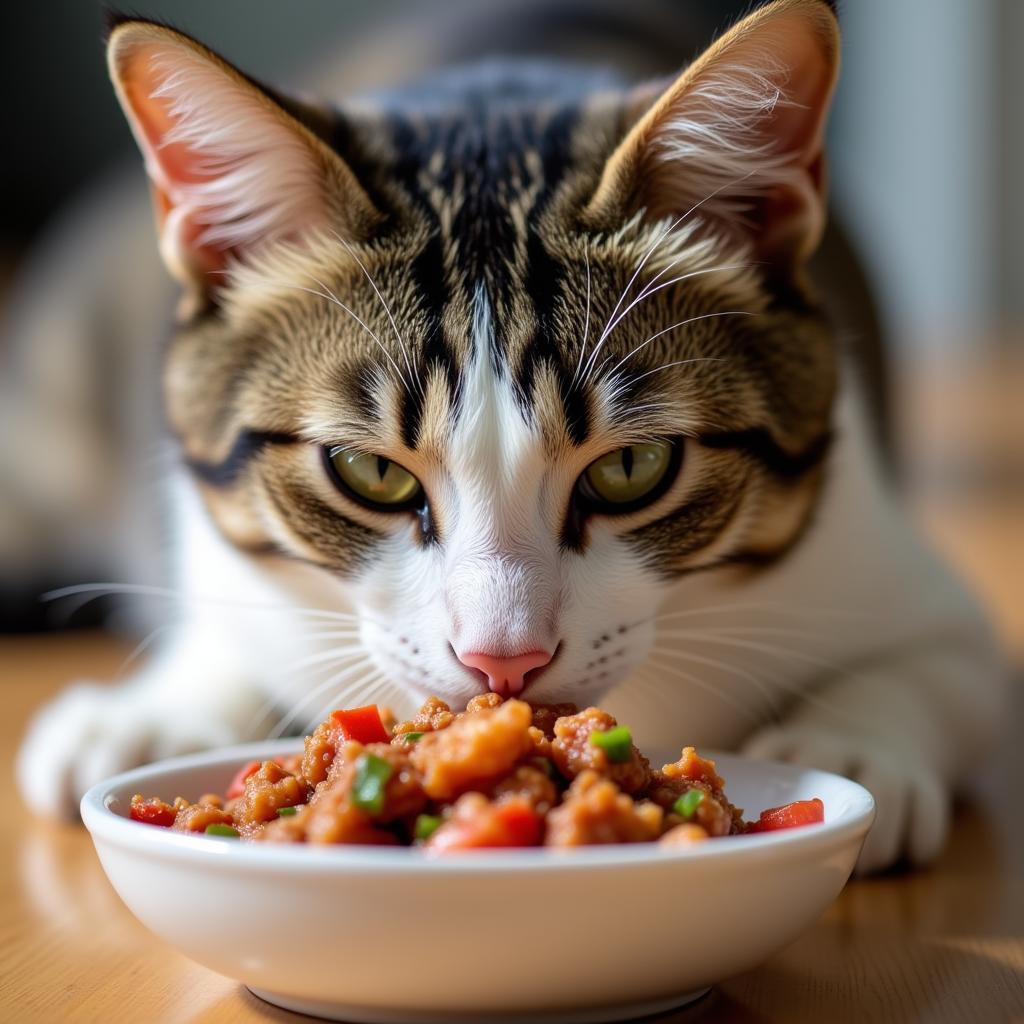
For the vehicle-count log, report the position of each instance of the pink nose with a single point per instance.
(506, 675)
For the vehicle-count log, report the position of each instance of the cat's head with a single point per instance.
(511, 357)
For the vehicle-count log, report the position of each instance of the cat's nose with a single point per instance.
(505, 676)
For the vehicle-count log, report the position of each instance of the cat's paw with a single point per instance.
(913, 803)
(91, 732)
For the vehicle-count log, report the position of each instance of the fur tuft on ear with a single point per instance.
(738, 135)
(230, 169)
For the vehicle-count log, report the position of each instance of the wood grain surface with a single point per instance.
(946, 945)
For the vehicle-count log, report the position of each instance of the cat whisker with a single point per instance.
(773, 609)
(682, 323)
(329, 296)
(793, 690)
(829, 666)
(619, 384)
(297, 708)
(659, 239)
(780, 631)
(586, 326)
(372, 688)
(387, 308)
(647, 406)
(93, 591)
(639, 269)
(646, 294)
(664, 235)
(699, 659)
(680, 673)
(350, 633)
(337, 655)
(344, 695)
(658, 369)
(142, 646)
(284, 696)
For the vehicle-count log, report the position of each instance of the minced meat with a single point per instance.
(500, 773)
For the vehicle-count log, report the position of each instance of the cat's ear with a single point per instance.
(230, 168)
(739, 134)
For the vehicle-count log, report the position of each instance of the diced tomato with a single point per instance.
(800, 812)
(152, 812)
(237, 787)
(510, 823)
(361, 724)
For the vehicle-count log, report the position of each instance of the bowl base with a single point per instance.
(380, 1015)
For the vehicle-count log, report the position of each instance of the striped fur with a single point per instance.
(493, 317)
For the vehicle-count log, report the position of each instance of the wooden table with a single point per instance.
(945, 945)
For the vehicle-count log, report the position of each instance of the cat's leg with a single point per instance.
(909, 728)
(908, 686)
(190, 697)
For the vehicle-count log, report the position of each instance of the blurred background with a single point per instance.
(927, 148)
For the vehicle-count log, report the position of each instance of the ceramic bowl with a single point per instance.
(381, 935)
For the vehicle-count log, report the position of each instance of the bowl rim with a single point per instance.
(108, 826)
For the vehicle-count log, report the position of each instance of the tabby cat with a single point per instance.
(515, 380)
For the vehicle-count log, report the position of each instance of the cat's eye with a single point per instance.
(373, 480)
(630, 477)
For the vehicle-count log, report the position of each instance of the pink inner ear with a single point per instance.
(808, 74)
(791, 217)
(230, 169)
(170, 164)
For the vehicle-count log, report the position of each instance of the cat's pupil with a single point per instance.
(627, 462)
(382, 467)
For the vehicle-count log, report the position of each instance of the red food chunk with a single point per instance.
(800, 812)
(237, 787)
(152, 811)
(363, 725)
(477, 824)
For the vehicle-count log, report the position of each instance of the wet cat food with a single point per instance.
(502, 773)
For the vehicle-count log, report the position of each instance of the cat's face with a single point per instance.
(505, 383)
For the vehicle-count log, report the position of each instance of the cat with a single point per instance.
(515, 380)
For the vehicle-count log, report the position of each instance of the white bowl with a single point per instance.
(381, 935)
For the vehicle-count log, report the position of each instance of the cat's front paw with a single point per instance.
(91, 732)
(913, 804)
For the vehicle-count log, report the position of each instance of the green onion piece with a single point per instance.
(426, 825)
(411, 737)
(617, 743)
(287, 812)
(372, 774)
(688, 803)
(221, 830)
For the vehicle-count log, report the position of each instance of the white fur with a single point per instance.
(500, 583)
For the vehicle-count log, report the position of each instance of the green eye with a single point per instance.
(373, 479)
(630, 476)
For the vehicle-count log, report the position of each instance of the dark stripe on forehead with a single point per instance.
(428, 273)
(546, 280)
(487, 153)
(247, 446)
(359, 387)
(413, 144)
(544, 285)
